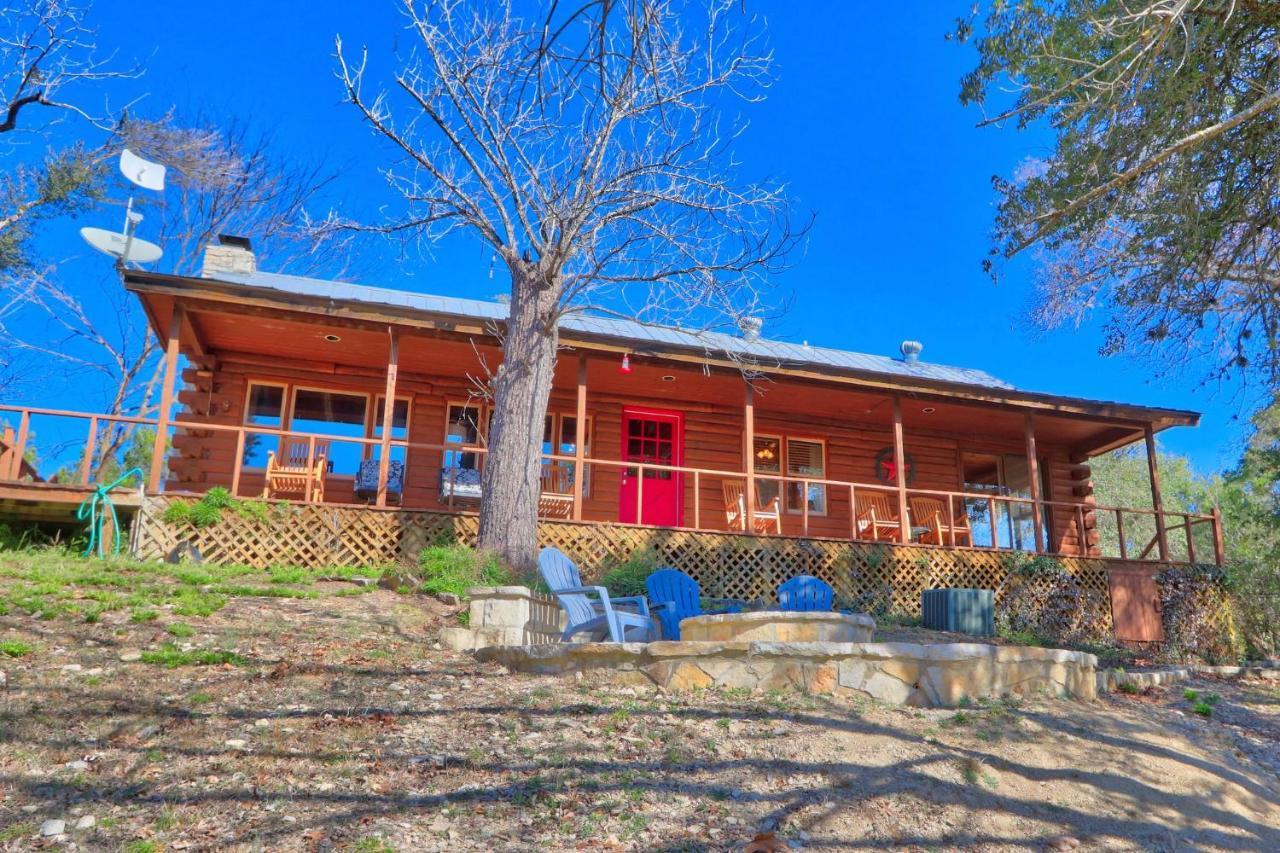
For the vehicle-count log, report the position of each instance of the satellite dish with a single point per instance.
(116, 245)
(144, 173)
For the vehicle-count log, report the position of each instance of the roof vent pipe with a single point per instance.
(750, 328)
(911, 351)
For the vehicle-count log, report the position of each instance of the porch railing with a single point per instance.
(959, 503)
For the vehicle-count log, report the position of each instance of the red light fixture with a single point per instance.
(625, 367)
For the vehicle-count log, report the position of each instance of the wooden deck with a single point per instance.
(56, 503)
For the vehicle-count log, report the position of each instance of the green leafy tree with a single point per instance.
(1157, 203)
(1251, 505)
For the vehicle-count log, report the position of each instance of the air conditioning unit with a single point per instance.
(964, 611)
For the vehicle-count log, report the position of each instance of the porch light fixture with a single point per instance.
(625, 367)
(333, 339)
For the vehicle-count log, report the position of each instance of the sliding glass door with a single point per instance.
(1004, 475)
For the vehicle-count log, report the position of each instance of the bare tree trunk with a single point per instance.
(521, 390)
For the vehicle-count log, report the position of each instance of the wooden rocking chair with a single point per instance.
(942, 527)
(556, 500)
(877, 519)
(735, 509)
(295, 474)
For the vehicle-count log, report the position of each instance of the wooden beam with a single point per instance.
(195, 342)
(172, 346)
(389, 416)
(748, 457)
(579, 437)
(1033, 473)
(1162, 536)
(900, 466)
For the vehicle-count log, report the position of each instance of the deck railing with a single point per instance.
(959, 503)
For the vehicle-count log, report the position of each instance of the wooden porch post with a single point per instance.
(1162, 537)
(389, 417)
(900, 466)
(166, 396)
(1033, 473)
(748, 457)
(1219, 548)
(579, 437)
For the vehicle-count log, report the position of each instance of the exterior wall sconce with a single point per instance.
(625, 367)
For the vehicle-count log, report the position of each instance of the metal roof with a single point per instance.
(765, 352)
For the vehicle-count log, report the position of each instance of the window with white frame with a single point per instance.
(564, 429)
(766, 457)
(806, 458)
(334, 413)
(323, 412)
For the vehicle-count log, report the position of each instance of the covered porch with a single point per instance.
(634, 435)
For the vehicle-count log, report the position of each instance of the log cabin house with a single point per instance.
(647, 425)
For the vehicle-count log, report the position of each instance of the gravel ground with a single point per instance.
(337, 723)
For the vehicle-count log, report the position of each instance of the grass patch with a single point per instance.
(15, 649)
(143, 614)
(171, 657)
(180, 629)
(456, 568)
(1128, 687)
(1204, 709)
(200, 698)
(1191, 695)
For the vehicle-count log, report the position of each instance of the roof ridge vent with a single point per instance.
(911, 351)
(750, 328)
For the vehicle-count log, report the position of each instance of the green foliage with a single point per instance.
(171, 657)
(1190, 695)
(1147, 208)
(626, 577)
(180, 629)
(15, 648)
(1204, 709)
(208, 510)
(1129, 688)
(456, 568)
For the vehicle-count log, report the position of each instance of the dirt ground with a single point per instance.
(339, 723)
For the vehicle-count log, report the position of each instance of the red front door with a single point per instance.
(657, 437)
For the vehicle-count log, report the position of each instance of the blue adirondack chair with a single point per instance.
(603, 615)
(805, 593)
(677, 596)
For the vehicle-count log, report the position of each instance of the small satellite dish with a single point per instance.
(144, 173)
(115, 244)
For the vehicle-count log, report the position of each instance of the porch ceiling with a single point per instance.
(221, 330)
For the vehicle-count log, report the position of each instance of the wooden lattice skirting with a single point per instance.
(727, 565)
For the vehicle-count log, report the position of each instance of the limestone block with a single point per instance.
(688, 676)
(822, 680)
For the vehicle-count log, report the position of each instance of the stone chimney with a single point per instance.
(230, 255)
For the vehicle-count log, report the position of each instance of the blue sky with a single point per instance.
(863, 122)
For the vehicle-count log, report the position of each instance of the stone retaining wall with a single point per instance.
(506, 616)
(896, 673)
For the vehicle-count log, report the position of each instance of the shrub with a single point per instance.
(627, 577)
(456, 568)
(1204, 709)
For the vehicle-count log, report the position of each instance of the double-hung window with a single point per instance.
(806, 458)
(795, 459)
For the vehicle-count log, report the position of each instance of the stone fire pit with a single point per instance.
(773, 626)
